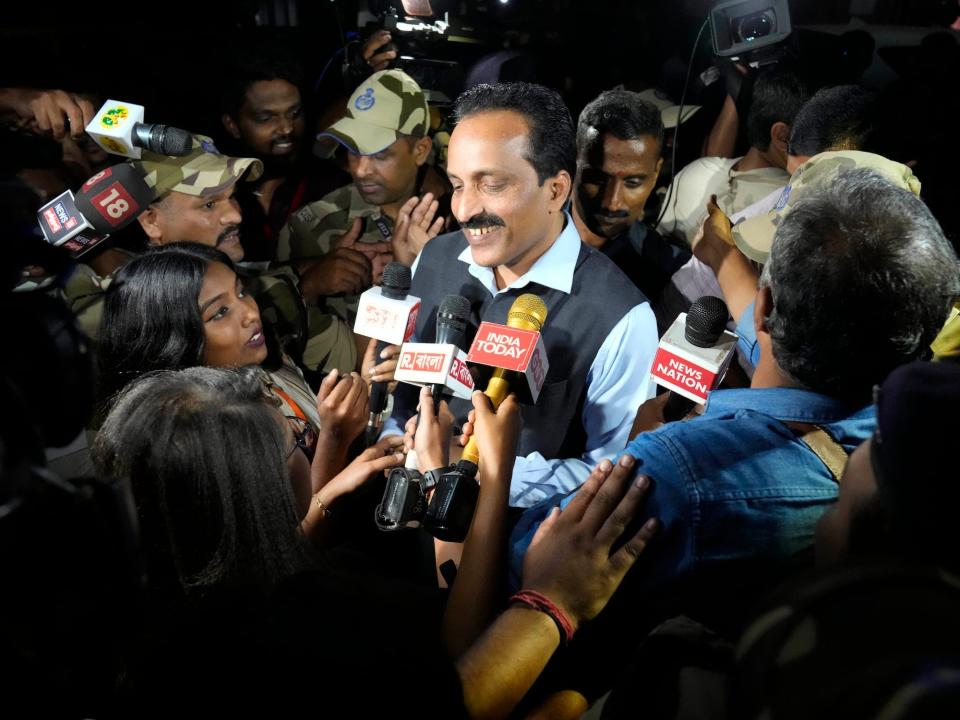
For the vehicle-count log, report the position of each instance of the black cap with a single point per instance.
(706, 320)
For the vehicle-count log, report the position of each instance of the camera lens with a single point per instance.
(751, 27)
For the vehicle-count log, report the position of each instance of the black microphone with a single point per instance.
(395, 285)
(162, 139)
(452, 316)
(706, 320)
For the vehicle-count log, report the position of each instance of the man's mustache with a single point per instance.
(230, 229)
(483, 220)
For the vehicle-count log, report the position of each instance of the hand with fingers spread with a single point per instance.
(345, 270)
(569, 559)
(380, 369)
(50, 112)
(374, 53)
(415, 227)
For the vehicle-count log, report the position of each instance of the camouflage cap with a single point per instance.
(669, 112)
(202, 173)
(754, 236)
(386, 106)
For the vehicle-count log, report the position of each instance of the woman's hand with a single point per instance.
(430, 437)
(496, 433)
(342, 406)
(384, 455)
(380, 369)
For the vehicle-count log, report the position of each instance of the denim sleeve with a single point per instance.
(671, 499)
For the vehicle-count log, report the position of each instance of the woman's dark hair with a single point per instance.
(551, 134)
(150, 316)
(205, 455)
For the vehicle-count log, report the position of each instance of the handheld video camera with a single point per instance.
(752, 30)
(448, 513)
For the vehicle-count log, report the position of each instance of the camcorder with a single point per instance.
(447, 514)
(752, 31)
(434, 40)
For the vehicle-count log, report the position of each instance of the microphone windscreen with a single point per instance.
(113, 198)
(706, 321)
(172, 141)
(396, 280)
(528, 311)
(452, 317)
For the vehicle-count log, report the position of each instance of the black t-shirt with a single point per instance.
(647, 258)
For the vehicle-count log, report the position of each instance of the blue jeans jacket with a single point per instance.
(735, 484)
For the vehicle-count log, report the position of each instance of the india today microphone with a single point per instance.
(389, 315)
(517, 352)
(105, 203)
(118, 128)
(693, 356)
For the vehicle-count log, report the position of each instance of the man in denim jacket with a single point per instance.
(859, 281)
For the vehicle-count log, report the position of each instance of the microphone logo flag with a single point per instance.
(432, 364)
(386, 319)
(510, 348)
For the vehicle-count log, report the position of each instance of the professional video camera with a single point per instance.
(432, 44)
(752, 31)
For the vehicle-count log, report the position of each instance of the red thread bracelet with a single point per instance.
(538, 601)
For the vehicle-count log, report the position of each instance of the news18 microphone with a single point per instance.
(105, 203)
(389, 315)
(693, 356)
(455, 498)
(118, 128)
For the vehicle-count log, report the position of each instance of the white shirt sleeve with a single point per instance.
(617, 384)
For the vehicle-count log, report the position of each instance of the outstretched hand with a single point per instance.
(569, 558)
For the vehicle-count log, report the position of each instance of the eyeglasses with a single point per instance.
(304, 436)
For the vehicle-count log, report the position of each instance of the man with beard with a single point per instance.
(264, 116)
(619, 138)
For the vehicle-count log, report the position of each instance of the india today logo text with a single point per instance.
(503, 346)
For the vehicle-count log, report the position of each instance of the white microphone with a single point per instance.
(118, 128)
(693, 355)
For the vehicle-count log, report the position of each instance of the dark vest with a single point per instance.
(577, 325)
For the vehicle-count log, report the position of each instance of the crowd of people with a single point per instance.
(782, 550)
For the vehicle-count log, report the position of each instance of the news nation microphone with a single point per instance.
(105, 203)
(119, 129)
(516, 351)
(388, 314)
(693, 356)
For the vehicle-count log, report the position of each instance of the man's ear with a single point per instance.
(230, 125)
(150, 222)
(421, 150)
(780, 137)
(559, 186)
(762, 309)
(656, 173)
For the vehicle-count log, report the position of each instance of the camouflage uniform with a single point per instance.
(387, 106)
(312, 231)
(754, 236)
(320, 341)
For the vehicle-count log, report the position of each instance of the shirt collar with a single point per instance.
(554, 268)
(788, 404)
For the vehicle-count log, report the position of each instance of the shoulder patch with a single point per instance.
(305, 214)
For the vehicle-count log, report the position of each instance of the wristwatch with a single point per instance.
(432, 477)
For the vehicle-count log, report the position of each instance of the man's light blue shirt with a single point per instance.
(617, 384)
